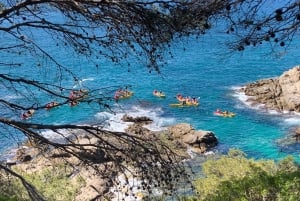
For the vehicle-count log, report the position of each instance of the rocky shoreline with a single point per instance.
(180, 138)
(281, 94)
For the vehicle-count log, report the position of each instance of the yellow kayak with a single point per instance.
(159, 94)
(224, 114)
(184, 105)
(124, 95)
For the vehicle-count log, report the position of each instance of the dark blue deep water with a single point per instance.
(202, 68)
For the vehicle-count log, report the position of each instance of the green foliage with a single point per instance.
(234, 177)
(287, 165)
(5, 198)
(53, 183)
(9, 191)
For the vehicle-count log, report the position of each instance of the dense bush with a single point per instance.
(5, 198)
(54, 183)
(234, 177)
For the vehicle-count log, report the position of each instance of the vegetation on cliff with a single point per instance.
(234, 177)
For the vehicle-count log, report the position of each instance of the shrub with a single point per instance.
(234, 177)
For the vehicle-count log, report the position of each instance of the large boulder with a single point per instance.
(177, 131)
(137, 129)
(296, 134)
(198, 140)
(281, 93)
(22, 155)
(143, 119)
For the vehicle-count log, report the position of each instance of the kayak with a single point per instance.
(223, 114)
(184, 105)
(51, 105)
(124, 95)
(159, 94)
(78, 94)
(180, 98)
(189, 101)
(28, 114)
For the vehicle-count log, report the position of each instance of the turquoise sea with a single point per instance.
(202, 68)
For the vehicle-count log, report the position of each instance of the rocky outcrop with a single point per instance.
(199, 140)
(22, 155)
(95, 186)
(142, 119)
(137, 129)
(296, 134)
(281, 94)
(182, 135)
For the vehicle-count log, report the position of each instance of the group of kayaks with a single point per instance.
(183, 101)
(74, 98)
(77, 95)
(125, 93)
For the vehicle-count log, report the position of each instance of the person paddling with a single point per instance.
(27, 114)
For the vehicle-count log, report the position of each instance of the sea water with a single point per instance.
(203, 68)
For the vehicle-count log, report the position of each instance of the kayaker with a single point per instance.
(27, 114)
(71, 96)
(126, 92)
(51, 105)
(73, 103)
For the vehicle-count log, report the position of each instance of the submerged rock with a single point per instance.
(143, 119)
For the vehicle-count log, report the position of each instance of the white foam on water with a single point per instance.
(57, 137)
(103, 116)
(209, 153)
(246, 101)
(88, 79)
(116, 124)
(113, 122)
(293, 121)
(288, 118)
(191, 153)
(49, 134)
(8, 155)
(241, 96)
(79, 84)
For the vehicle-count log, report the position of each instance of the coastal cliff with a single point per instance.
(280, 94)
(84, 183)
